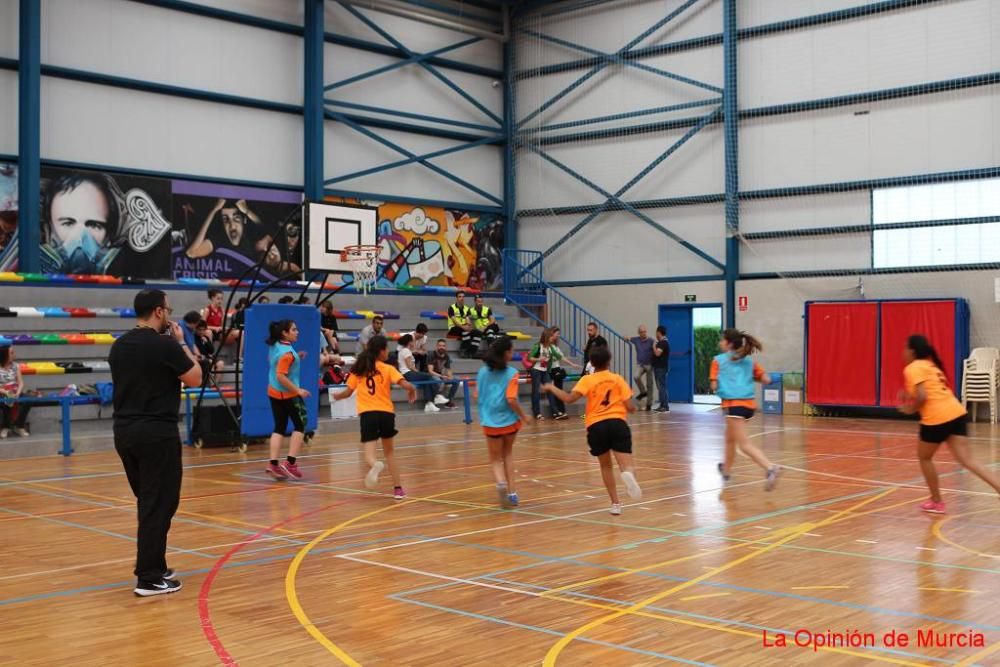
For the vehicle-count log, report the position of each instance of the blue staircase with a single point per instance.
(525, 287)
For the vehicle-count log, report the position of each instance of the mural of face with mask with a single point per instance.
(80, 217)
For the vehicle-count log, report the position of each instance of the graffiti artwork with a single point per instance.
(428, 245)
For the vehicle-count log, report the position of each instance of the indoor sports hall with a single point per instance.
(499, 332)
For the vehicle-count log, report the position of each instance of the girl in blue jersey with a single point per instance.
(500, 415)
(285, 393)
(733, 374)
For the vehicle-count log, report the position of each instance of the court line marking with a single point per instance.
(702, 597)
(817, 588)
(616, 608)
(548, 631)
(948, 590)
(903, 485)
(726, 623)
(937, 526)
(557, 648)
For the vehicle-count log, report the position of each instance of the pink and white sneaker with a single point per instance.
(291, 469)
(932, 507)
(276, 472)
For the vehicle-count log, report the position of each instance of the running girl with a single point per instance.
(500, 415)
(942, 417)
(286, 396)
(609, 400)
(733, 374)
(378, 415)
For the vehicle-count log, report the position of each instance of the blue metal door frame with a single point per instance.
(688, 381)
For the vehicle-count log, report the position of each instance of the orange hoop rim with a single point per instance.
(358, 251)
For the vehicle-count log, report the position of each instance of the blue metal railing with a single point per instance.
(525, 287)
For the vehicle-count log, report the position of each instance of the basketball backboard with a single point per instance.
(331, 227)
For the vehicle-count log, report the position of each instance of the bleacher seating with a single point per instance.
(56, 339)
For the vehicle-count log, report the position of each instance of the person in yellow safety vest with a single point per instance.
(460, 325)
(482, 317)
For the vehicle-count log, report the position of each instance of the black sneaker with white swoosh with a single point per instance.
(149, 588)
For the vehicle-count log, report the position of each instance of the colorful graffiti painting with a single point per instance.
(428, 245)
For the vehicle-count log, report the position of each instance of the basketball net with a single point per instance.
(364, 264)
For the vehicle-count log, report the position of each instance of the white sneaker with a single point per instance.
(4, 432)
(440, 400)
(631, 485)
(371, 479)
(616, 509)
(430, 407)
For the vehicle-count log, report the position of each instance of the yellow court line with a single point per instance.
(210, 517)
(702, 597)
(724, 628)
(845, 514)
(937, 526)
(557, 648)
(976, 657)
(947, 590)
(817, 588)
(293, 597)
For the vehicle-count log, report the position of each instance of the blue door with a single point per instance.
(680, 333)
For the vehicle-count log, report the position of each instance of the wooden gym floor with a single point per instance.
(323, 572)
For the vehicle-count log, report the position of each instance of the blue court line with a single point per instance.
(176, 519)
(193, 466)
(99, 530)
(547, 631)
(570, 560)
(725, 621)
(186, 573)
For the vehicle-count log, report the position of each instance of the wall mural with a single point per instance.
(8, 217)
(219, 231)
(105, 224)
(428, 245)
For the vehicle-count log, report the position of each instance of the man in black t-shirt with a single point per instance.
(147, 369)
(661, 366)
(593, 340)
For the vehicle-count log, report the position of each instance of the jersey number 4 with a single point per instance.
(607, 399)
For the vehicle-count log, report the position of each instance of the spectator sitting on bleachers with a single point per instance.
(239, 317)
(14, 415)
(408, 367)
(286, 299)
(204, 347)
(482, 317)
(328, 326)
(460, 326)
(440, 366)
(302, 301)
(373, 329)
(189, 325)
(420, 346)
(213, 313)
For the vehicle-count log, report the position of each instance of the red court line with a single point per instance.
(207, 627)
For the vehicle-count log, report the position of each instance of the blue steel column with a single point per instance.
(29, 134)
(731, 120)
(313, 100)
(510, 124)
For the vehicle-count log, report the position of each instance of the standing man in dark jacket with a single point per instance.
(148, 366)
(661, 366)
(593, 340)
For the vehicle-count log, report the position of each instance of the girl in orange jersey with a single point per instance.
(733, 374)
(942, 417)
(375, 378)
(609, 400)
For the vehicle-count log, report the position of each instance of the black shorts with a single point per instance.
(288, 409)
(740, 411)
(609, 435)
(938, 433)
(375, 425)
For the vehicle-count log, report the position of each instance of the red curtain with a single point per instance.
(933, 319)
(842, 353)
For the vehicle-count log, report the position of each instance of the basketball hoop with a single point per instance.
(364, 263)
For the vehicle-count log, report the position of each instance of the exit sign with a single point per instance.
(690, 298)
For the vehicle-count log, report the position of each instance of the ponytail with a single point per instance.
(276, 329)
(922, 349)
(742, 343)
(495, 357)
(365, 364)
